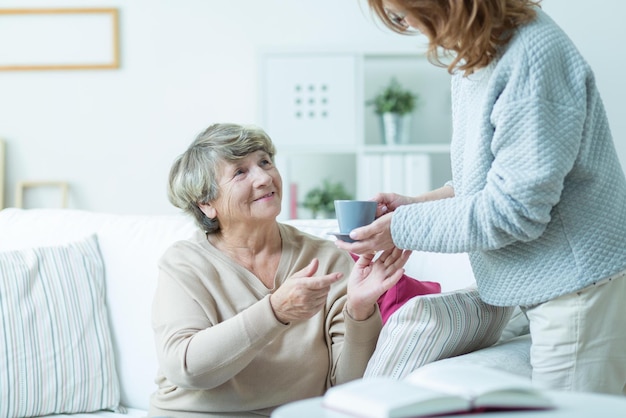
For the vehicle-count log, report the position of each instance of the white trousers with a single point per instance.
(579, 339)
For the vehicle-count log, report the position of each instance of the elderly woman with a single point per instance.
(250, 313)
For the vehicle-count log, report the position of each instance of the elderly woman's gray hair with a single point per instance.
(193, 178)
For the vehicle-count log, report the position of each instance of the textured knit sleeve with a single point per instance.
(528, 135)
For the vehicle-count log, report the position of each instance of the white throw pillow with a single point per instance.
(56, 354)
(433, 327)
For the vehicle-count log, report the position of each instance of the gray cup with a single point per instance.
(354, 213)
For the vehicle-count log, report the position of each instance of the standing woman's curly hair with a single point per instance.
(470, 32)
(193, 177)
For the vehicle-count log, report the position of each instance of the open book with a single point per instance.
(436, 389)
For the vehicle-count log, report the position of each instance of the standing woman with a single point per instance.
(537, 197)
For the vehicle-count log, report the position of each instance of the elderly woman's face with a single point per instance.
(249, 189)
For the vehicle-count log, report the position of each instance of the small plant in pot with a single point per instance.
(321, 200)
(395, 104)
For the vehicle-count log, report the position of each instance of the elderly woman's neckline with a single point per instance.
(245, 242)
(261, 260)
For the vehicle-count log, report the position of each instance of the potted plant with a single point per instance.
(395, 104)
(321, 200)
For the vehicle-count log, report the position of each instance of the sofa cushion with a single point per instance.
(433, 327)
(403, 291)
(55, 343)
(512, 355)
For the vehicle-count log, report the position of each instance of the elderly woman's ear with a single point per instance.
(208, 210)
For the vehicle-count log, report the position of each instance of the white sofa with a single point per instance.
(130, 246)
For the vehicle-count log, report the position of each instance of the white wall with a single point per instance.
(185, 64)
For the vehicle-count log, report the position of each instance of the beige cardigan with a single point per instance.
(222, 351)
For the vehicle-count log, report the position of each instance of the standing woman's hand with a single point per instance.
(370, 238)
(371, 277)
(377, 235)
(388, 202)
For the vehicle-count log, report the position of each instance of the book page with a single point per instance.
(386, 397)
(483, 385)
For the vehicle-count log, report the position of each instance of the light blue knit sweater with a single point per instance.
(540, 197)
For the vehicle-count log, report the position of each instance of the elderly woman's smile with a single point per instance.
(267, 196)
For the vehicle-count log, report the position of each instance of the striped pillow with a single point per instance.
(433, 327)
(56, 354)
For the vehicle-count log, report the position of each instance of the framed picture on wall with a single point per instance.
(1, 174)
(59, 39)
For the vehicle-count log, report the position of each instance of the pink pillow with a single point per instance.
(406, 288)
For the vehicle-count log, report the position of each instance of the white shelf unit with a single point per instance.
(313, 105)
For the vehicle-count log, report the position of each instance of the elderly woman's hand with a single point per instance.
(371, 277)
(301, 296)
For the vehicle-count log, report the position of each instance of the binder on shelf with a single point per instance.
(371, 180)
(393, 173)
(417, 174)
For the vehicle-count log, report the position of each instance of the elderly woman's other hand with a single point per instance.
(371, 277)
(302, 295)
